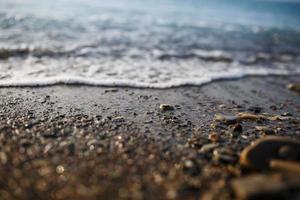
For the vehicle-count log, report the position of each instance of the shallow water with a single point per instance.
(146, 43)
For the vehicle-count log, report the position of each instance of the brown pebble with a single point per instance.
(226, 119)
(261, 186)
(3, 158)
(258, 155)
(209, 147)
(224, 155)
(287, 166)
(294, 87)
(214, 137)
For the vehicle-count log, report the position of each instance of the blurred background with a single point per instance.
(157, 43)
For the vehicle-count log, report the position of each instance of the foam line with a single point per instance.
(75, 80)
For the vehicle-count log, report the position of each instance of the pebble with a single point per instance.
(286, 114)
(226, 119)
(191, 168)
(111, 90)
(166, 107)
(258, 155)
(294, 87)
(118, 119)
(208, 147)
(265, 129)
(224, 155)
(287, 166)
(236, 129)
(60, 169)
(25, 143)
(264, 186)
(3, 158)
(214, 137)
(222, 106)
(249, 116)
(47, 148)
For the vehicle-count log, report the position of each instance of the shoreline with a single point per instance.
(82, 82)
(83, 142)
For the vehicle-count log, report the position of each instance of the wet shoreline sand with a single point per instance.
(82, 142)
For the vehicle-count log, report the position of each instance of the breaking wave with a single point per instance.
(137, 45)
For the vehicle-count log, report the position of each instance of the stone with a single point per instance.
(118, 119)
(25, 143)
(265, 129)
(214, 137)
(226, 119)
(258, 155)
(60, 169)
(3, 158)
(166, 107)
(224, 155)
(207, 148)
(286, 166)
(236, 129)
(249, 116)
(264, 186)
(294, 87)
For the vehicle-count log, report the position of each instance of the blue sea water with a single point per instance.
(146, 43)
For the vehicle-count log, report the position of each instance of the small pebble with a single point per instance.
(214, 137)
(209, 147)
(226, 119)
(166, 107)
(294, 87)
(60, 169)
(265, 129)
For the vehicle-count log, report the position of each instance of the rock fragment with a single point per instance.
(209, 147)
(258, 155)
(226, 119)
(214, 137)
(294, 87)
(166, 107)
(3, 158)
(265, 129)
(224, 155)
(118, 119)
(287, 166)
(264, 186)
(236, 129)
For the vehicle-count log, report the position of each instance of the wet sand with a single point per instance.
(82, 142)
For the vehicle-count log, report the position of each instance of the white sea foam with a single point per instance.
(73, 80)
(151, 74)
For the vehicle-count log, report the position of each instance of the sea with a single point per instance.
(146, 43)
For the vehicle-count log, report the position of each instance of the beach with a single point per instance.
(91, 142)
(149, 100)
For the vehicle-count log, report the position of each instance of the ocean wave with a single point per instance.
(140, 45)
(72, 80)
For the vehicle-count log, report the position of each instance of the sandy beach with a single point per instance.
(83, 142)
